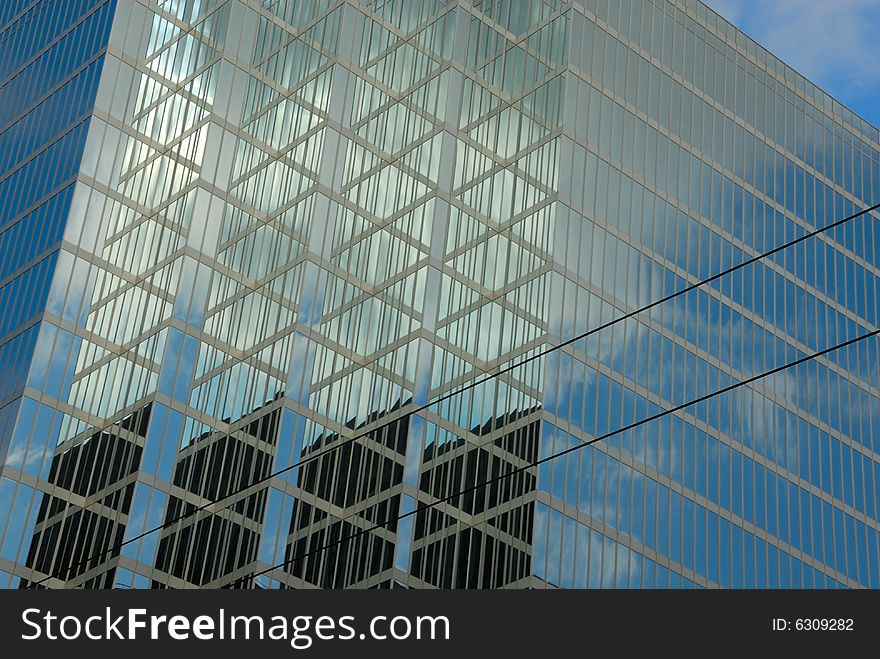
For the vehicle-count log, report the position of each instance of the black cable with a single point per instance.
(450, 394)
(553, 456)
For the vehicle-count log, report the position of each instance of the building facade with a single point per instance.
(245, 244)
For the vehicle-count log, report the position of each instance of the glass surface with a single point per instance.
(295, 222)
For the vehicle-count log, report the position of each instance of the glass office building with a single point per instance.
(245, 244)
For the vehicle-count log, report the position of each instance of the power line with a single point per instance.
(553, 456)
(450, 394)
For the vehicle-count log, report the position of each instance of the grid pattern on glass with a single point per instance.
(293, 220)
(49, 73)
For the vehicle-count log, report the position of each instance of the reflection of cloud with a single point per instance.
(16, 456)
(762, 420)
(832, 43)
(624, 571)
(598, 561)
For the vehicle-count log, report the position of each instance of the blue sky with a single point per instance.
(834, 43)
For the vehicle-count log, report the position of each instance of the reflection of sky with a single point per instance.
(660, 518)
(569, 554)
(18, 509)
(589, 399)
(748, 414)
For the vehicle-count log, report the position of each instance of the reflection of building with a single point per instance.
(236, 233)
(363, 478)
(447, 548)
(480, 539)
(212, 548)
